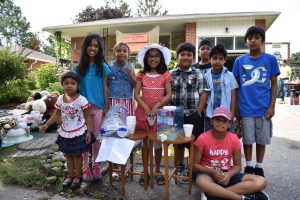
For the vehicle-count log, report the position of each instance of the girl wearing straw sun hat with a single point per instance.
(155, 83)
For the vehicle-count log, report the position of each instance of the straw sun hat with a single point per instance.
(165, 51)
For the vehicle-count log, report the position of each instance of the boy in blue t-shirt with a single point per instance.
(256, 72)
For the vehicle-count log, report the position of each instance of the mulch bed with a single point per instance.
(9, 105)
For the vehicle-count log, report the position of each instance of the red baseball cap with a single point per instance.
(224, 112)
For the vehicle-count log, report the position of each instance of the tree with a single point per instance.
(120, 4)
(33, 41)
(102, 13)
(295, 57)
(278, 55)
(54, 45)
(13, 26)
(150, 8)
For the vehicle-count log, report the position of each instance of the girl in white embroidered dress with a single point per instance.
(75, 131)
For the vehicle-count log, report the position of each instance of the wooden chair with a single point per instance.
(138, 137)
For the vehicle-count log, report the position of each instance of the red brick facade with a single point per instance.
(261, 23)
(190, 33)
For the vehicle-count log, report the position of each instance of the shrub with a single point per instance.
(46, 74)
(12, 65)
(31, 82)
(173, 62)
(14, 91)
(55, 87)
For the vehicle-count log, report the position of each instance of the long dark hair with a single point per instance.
(161, 68)
(84, 57)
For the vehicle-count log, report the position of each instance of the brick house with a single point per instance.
(171, 30)
(34, 59)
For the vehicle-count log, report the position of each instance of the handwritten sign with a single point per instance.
(133, 38)
(135, 47)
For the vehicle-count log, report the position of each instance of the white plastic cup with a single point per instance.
(131, 128)
(130, 120)
(188, 129)
(151, 120)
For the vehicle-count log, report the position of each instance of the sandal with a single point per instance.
(76, 184)
(115, 176)
(68, 182)
(141, 180)
(160, 180)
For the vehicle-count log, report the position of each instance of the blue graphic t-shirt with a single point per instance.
(254, 96)
(216, 78)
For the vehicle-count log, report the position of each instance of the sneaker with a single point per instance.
(87, 175)
(262, 196)
(256, 196)
(259, 171)
(96, 172)
(249, 170)
(182, 171)
(179, 169)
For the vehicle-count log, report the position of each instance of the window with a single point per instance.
(230, 43)
(226, 41)
(211, 39)
(240, 43)
(165, 40)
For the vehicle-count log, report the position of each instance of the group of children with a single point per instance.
(214, 99)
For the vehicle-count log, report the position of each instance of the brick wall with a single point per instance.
(76, 44)
(262, 24)
(110, 46)
(176, 39)
(190, 33)
(35, 64)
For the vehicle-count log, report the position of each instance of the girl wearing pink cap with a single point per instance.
(215, 149)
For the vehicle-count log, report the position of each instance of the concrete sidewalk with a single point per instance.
(281, 165)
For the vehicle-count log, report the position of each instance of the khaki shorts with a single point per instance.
(256, 130)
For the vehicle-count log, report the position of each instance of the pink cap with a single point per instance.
(224, 112)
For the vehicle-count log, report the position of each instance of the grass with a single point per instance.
(25, 171)
(28, 172)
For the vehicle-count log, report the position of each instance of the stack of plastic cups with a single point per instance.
(131, 123)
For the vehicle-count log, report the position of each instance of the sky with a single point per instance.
(286, 28)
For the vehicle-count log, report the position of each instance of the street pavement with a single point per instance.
(281, 165)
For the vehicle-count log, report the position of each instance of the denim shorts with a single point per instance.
(256, 130)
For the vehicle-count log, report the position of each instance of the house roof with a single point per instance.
(34, 55)
(166, 23)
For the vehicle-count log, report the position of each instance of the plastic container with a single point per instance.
(170, 121)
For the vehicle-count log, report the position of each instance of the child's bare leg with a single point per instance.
(158, 155)
(248, 152)
(180, 154)
(249, 184)
(207, 185)
(78, 167)
(260, 152)
(70, 167)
